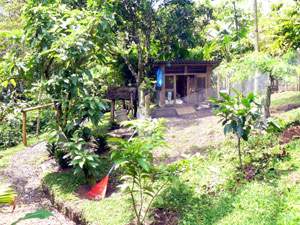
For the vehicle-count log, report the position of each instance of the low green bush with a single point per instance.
(10, 133)
(11, 127)
(56, 151)
(100, 142)
(84, 133)
(61, 159)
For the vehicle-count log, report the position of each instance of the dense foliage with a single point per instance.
(69, 52)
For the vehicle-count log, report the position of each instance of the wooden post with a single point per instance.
(175, 89)
(123, 104)
(218, 85)
(208, 81)
(24, 111)
(24, 129)
(188, 90)
(112, 110)
(147, 106)
(163, 89)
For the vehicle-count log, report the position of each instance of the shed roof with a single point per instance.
(120, 93)
(213, 63)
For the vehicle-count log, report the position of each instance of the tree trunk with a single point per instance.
(240, 156)
(147, 106)
(142, 106)
(256, 36)
(256, 43)
(268, 97)
(218, 84)
(38, 121)
(89, 177)
(237, 27)
(298, 70)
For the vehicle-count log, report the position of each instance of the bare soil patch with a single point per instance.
(160, 217)
(290, 134)
(163, 217)
(189, 136)
(284, 108)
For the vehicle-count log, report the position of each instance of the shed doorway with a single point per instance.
(181, 86)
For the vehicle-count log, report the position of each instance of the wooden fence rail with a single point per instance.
(24, 111)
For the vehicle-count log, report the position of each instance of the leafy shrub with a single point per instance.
(58, 152)
(239, 115)
(84, 133)
(7, 195)
(52, 147)
(136, 160)
(10, 133)
(83, 160)
(113, 125)
(275, 125)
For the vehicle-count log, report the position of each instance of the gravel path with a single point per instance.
(24, 173)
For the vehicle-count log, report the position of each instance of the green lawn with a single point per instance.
(212, 190)
(285, 98)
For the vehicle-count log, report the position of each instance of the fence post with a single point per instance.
(24, 129)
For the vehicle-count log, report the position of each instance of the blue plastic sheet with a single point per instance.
(160, 77)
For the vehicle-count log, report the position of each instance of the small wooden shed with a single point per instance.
(185, 78)
(121, 93)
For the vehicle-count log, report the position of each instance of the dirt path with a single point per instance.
(24, 173)
(190, 135)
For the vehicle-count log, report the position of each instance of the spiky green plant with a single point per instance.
(7, 195)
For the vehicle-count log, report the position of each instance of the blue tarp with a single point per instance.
(160, 77)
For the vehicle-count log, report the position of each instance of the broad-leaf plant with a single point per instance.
(135, 159)
(83, 159)
(239, 115)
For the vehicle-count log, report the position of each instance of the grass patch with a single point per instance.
(114, 209)
(5, 155)
(285, 98)
(291, 115)
(213, 191)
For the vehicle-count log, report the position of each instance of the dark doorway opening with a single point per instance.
(181, 86)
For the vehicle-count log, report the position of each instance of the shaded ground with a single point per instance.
(24, 172)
